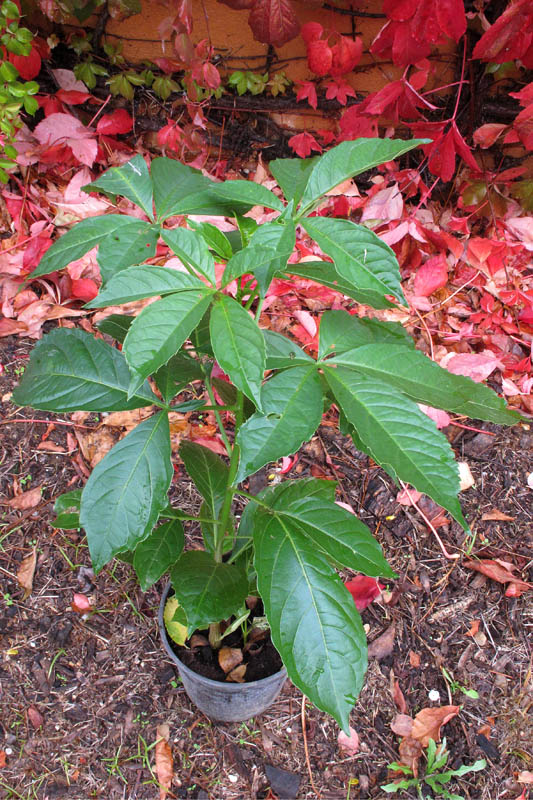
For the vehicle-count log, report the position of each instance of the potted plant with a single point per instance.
(291, 537)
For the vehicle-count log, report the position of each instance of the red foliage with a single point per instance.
(273, 21)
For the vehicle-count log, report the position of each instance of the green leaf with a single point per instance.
(349, 159)
(292, 175)
(175, 187)
(340, 534)
(282, 352)
(160, 330)
(67, 508)
(209, 473)
(340, 331)
(361, 257)
(280, 238)
(324, 272)
(247, 260)
(132, 244)
(424, 381)
(174, 376)
(126, 491)
(400, 438)
(238, 345)
(208, 591)
(131, 180)
(292, 410)
(116, 325)
(70, 370)
(156, 554)
(139, 282)
(216, 240)
(192, 249)
(235, 193)
(315, 625)
(85, 235)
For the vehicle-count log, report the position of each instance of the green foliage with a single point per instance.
(437, 759)
(293, 536)
(16, 95)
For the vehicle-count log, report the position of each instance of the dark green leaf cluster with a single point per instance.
(290, 539)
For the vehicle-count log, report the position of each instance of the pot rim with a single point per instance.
(229, 687)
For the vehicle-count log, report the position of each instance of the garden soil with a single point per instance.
(81, 696)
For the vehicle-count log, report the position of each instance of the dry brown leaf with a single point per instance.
(94, 445)
(197, 641)
(429, 721)
(466, 479)
(410, 751)
(2, 759)
(26, 571)
(237, 675)
(51, 447)
(383, 645)
(35, 717)
(127, 419)
(497, 516)
(229, 658)
(402, 725)
(414, 659)
(474, 627)
(81, 603)
(348, 744)
(397, 694)
(164, 764)
(26, 500)
(501, 571)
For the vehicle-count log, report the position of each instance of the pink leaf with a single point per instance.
(81, 604)
(349, 744)
(432, 275)
(477, 366)
(364, 590)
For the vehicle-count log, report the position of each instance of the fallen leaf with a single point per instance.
(500, 571)
(397, 694)
(474, 627)
(237, 675)
(26, 571)
(164, 766)
(35, 717)
(414, 659)
(363, 590)
(497, 516)
(428, 722)
(81, 603)
(94, 445)
(402, 725)
(51, 447)
(466, 479)
(282, 782)
(383, 645)
(348, 744)
(410, 751)
(126, 419)
(2, 759)
(525, 777)
(26, 500)
(408, 496)
(229, 658)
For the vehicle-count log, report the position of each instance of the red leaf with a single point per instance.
(303, 144)
(238, 5)
(273, 22)
(510, 37)
(170, 136)
(523, 125)
(462, 148)
(319, 57)
(400, 10)
(73, 97)
(346, 55)
(311, 31)
(451, 18)
(28, 66)
(339, 90)
(441, 160)
(354, 125)
(525, 95)
(118, 121)
(486, 135)
(81, 603)
(431, 276)
(307, 90)
(364, 590)
(501, 571)
(84, 289)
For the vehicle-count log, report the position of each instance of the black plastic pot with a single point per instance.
(227, 702)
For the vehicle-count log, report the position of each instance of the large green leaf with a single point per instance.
(282, 352)
(174, 376)
(207, 590)
(209, 473)
(314, 623)
(292, 410)
(131, 180)
(292, 175)
(360, 257)
(247, 260)
(324, 272)
(341, 535)
(158, 552)
(192, 249)
(139, 282)
(216, 240)
(424, 381)
(349, 159)
(280, 237)
(126, 490)
(93, 231)
(340, 331)
(70, 370)
(175, 186)
(240, 192)
(160, 330)
(238, 345)
(116, 325)
(133, 244)
(403, 440)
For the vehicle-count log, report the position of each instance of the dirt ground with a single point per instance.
(81, 698)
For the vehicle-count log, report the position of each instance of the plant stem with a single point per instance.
(189, 517)
(218, 418)
(233, 466)
(248, 496)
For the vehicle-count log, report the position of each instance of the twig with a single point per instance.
(49, 422)
(449, 556)
(307, 761)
